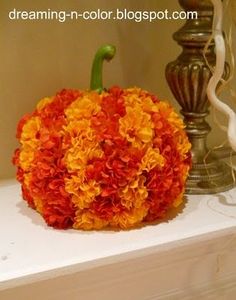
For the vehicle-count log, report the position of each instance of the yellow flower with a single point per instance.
(84, 107)
(26, 157)
(136, 126)
(30, 129)
(29, 142)
(134, 194)
(149, 106)
(44, 102)
(38, 204)
(78, 128)
(183, 145)
(133, 198)
(171, 116)
(127, 219)
(134, 96)
(72, 184)
(83, 193)
(27, 178)
(84, 145)
(151, 159)
(87, 220)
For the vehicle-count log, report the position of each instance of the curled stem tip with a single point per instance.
(106, 52)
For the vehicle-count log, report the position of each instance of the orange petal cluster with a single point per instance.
(89, 161)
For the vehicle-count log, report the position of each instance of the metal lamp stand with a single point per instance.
(188, 77)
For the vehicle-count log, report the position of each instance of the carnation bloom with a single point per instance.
(90, 160)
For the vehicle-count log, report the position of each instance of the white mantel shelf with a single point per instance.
(189, 256)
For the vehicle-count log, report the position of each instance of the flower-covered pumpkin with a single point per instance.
(102, 158)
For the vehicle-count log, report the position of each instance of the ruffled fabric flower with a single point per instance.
(115, 159)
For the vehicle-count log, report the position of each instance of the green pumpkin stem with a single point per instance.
(105, 52)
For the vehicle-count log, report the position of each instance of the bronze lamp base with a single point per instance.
(188, 78)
